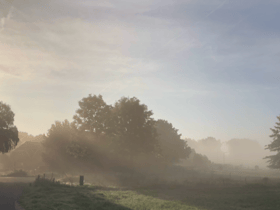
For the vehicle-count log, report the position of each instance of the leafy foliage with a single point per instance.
(274, 146)
(172, 147)
(8, 132)
(55, 146)
(93, 115)
(67, 149)
(134, 127)
(114, 138)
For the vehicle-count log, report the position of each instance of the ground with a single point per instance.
(171, 196)
(9, 193)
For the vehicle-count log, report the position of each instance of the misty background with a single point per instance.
(210, 68)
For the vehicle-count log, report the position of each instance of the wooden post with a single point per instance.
(81, 180)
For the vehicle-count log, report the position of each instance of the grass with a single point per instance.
(46, 194)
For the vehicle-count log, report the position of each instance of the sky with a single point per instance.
(211, 68)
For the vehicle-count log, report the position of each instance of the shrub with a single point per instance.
(45, 182)
(18, 173)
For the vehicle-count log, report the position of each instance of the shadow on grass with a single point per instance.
(42, 196)
(9, 193)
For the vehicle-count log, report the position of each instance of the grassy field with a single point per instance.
(192, 196)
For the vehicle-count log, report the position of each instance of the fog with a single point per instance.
(245, 152)
(173, 100)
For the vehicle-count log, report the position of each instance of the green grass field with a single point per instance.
(199, 196)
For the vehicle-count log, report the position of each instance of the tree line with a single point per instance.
(105, 137)
(112, 137)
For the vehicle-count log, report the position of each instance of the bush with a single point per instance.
(18, 173)
(45, 182)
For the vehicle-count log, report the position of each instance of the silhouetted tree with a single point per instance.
(172, 147)
(93, 115)
(196, 160)
(8, 132)
(55, 144)
(135, 130)
(274, 146)
(66, 148)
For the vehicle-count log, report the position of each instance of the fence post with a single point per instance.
(81, 180)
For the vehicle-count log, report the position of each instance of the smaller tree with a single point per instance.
(172, 147)
(67, 149)
(8, 132)
(274, 146)
(55, 154)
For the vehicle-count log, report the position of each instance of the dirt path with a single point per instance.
(9, 193)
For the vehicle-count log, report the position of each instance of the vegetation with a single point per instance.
(274, 146)
(17, 173)
(46, 195)
(172, 147)
(8, 132)
(200, 195)
(123, 137)
(146, 160)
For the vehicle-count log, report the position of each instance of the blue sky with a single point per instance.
(211, 68)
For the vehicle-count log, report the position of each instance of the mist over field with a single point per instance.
(115, 104)
(245, 152)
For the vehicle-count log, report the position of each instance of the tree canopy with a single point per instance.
(134, 127)
(172, 147)
(8, 132)
(108, 137)
(274, 146)
(93, 115)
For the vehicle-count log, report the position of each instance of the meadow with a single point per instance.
(197, 192)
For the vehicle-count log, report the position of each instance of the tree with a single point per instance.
(93, 115)
(8, 132)
(68, 149)
(172, 147)
(274, 146)
(134, 127)
(55, 154)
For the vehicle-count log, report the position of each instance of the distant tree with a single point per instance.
(172, 147)
(135, 130)
(200, 161)
(27, 156)
(196, 160)
(93, 115)
(274, 146)
(8, 132)
(67, 149)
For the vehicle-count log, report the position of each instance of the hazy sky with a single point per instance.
(211, 68)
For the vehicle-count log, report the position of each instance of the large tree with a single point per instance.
(172, 147)
(135, 130)
(93, 115)
(8, 132)
(274, 146)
